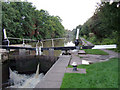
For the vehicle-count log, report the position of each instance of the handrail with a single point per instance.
(34, 39)
(52, 39)
(41, 41)
(22, 39)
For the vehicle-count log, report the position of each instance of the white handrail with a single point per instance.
(34, 39)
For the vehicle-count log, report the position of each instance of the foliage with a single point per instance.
(92, 39)
(99, 75)
(22, 20)
(85, 36)
(104, 24)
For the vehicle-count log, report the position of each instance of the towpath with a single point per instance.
(85, 42)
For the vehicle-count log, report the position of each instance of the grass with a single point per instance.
(95, 51)
(80, 56)
(114, 49)
(99, 75)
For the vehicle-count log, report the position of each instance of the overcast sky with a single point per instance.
(72, 12)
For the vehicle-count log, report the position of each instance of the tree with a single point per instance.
(22, 20)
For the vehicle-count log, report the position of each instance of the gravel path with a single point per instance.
(112, 54)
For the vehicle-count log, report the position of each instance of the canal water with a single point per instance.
(26, 72)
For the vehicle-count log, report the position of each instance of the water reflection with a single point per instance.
(57, 43)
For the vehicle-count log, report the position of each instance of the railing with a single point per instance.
(38, 48)
(41, 41)
(33, 39)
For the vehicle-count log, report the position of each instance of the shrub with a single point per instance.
(108, 41)
(91, 34)
(85, 36)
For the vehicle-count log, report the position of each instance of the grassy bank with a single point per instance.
(99, 75)
(114, 49)
(95, 51)
(105, 41)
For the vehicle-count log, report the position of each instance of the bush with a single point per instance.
(85, 36)
(91, 34)
(92, 39)
(108, 41)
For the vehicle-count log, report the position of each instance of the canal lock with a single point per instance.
(25, 64)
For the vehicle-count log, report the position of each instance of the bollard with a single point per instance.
(74, 64)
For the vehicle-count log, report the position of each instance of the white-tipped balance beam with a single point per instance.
(5, 35)
(77, 35)
(105, 46)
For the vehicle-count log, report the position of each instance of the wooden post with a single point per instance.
(52, 43)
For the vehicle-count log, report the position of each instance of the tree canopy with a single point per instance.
(22, 20)
(104, 24)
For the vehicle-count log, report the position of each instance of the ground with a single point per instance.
(102, 74)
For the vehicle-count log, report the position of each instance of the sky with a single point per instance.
(72, 12)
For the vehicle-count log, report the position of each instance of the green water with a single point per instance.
(48, 43)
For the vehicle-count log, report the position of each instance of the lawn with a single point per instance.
(95, 51)
(99, 75)
(114, 49)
